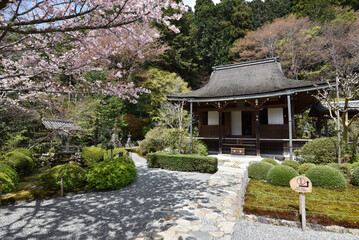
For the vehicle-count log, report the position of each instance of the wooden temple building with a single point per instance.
(250, 107)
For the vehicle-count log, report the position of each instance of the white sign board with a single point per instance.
(301, 184)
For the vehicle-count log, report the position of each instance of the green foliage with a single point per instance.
(21, 163)
(271, 161)
(216, 27)
(354, 179)
(267, 11)
(181, 57)
(345, 169)
(303, 169)
(321, 150)
(355, 165)
(162, 83)
(259, 170)
(8, 184)
(23, 151)
(74, 177)
(180, 162)
(111, 174)
(6, 169)
(291, 163)
(91, 155)
(281, 175)
(334, 165)
(326, 176)
(154, 141)
(107, 155)
(322, 10)
(174, 140)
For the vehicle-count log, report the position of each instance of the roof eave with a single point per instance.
(251, 96)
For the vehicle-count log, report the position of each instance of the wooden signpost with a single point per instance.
(302, 185)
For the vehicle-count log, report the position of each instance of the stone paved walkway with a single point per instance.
(213, 212)
(120, 214)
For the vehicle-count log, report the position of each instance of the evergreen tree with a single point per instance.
(216, 28)
(268, 10)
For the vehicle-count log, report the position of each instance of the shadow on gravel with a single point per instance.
(121, 214)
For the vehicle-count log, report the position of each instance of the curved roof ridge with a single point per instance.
(241, 64)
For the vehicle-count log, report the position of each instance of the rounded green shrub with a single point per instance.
(326, 176)
(20, 162)
(73, 176)
(281, 175)
(271, 161)
(334, 165)
(259, 170)
(355, 165)
(303, 169)
(321, 151)
(7, 184)
(111, 174)
(291, 163)
(23, 151)
(354, 179)
(10, 172)
(92, 155)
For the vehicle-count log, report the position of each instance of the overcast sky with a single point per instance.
(191, 3)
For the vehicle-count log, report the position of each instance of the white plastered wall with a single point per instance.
(213, 118)
(275, 116)
(236, 123)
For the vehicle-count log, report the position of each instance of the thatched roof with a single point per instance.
(246, 79)
(59, 124)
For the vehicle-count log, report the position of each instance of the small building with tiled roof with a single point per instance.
(250, 106)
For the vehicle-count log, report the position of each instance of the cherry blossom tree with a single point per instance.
(41, 40)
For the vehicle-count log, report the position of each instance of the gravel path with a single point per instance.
(259, 231)
(121, 214)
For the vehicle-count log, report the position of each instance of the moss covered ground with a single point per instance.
(341, 206)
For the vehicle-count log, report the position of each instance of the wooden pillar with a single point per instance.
(290, 128)
(220, 131)
(258, 145)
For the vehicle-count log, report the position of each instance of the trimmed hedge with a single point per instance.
(321, 151)
(92, 155)
(281, 175)
(304, 168)
(73, 176)
(7, 183)
(259, 170)
(271, 161)
(291, 163)
(114, 174)
(20, 162)
(354, 179)
(107, 155)
(326, 176)
(10, 172)
(181, 162)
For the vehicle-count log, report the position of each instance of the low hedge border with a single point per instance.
(181, 162)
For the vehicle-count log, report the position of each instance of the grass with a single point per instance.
(273, 201)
